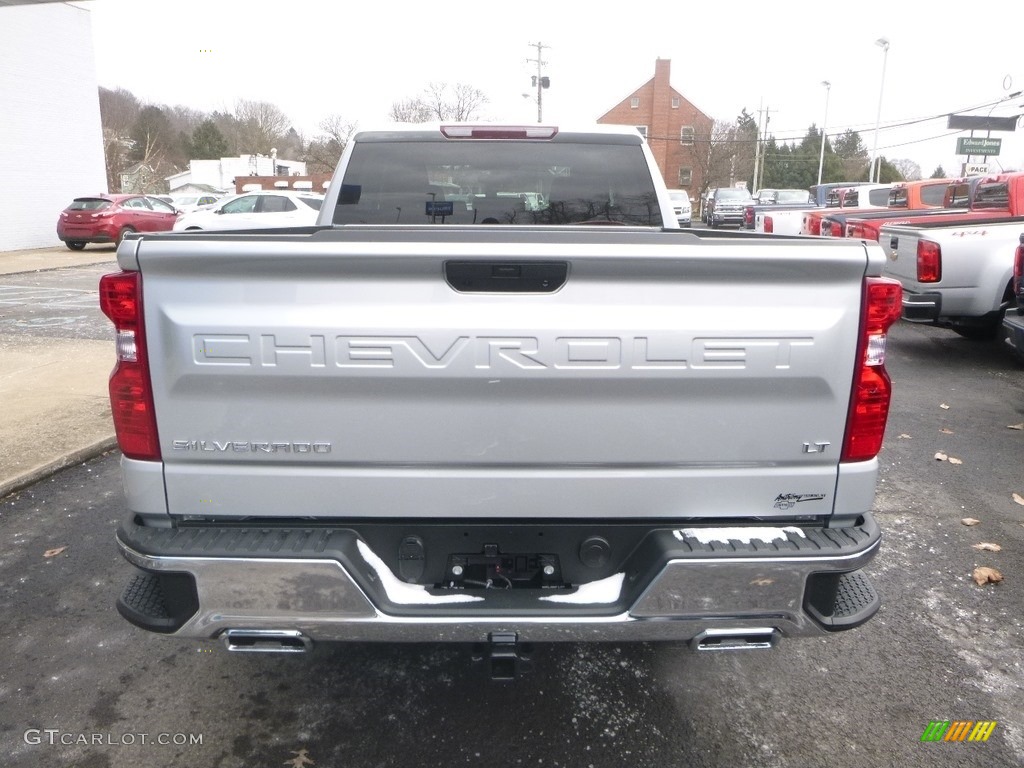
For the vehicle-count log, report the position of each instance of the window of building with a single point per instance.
(675, 102)
(686, 134)
(643, 130)
(634, 103)
(685, 177)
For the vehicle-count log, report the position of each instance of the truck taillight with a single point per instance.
(836, 229)
(812, 224)
(855, 230)
(929, 262)
(769, 225)
(748, 217)
(131, 395)
(872, 388)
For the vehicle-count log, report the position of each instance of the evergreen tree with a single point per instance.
(208, 143)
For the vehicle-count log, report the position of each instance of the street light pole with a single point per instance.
(821, 157)
(876, 166)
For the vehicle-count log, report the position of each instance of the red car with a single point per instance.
(108, 218)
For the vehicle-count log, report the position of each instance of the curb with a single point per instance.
(41, 472)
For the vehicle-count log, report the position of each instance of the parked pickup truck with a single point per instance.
(1013, 320)
(725, 206)
(954, 274)
(456, 410)
(793, 221)
(907, 201)
(775, 200)
(866, 197)
(976, 197)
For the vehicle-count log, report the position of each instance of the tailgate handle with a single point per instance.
(506, 276)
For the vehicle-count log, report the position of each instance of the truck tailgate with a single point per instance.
(350, 373)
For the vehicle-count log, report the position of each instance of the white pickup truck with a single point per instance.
(497, 396)
(958, 275)
(802, 221)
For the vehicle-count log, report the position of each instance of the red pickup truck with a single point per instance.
(865, 197)
(907, 200)
(986, 197)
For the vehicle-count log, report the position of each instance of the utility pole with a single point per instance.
(759, 160)
(539, 80)
(757, 146)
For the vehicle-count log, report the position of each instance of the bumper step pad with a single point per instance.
(158, 602)
(854, 601)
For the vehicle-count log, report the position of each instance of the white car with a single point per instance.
(683, 206)
(189, 203)
(255, 210)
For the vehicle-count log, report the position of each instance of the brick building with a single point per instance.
(678, 133)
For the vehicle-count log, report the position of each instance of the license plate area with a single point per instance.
(493, 569)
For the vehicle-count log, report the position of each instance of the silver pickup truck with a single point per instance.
(957, 274)
(579, 423)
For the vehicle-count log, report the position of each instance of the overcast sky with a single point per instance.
(313, 58)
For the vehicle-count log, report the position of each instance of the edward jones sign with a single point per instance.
(968, 145)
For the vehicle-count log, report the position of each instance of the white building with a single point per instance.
(49, 119)
(221, 174)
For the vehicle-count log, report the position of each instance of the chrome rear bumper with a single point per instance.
(805, 585)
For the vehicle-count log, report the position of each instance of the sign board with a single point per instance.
(968, 145)
(974, 169)
(440, 209)
(981, 123)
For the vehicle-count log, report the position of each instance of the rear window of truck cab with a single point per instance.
(994, 195)
(426, 180)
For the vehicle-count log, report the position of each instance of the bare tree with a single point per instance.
(715, 157)
(457, 103)
(260, 126)
(410, 111)
(323, 152)
(911, 171)
(443, 102)
(183, 122)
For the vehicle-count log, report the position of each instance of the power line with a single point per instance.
(858, 127)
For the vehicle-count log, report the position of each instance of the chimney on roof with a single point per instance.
(662, 69)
